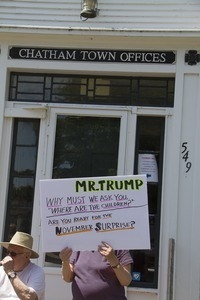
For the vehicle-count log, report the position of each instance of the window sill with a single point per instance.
(143, 290)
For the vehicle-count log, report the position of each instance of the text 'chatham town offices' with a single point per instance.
(165, 57)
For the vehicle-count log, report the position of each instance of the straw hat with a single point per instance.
(21, 239)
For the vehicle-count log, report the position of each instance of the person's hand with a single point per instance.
(106, 250)
(65, 254)
(7, 263)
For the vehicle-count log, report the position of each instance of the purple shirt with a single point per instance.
(94, 277)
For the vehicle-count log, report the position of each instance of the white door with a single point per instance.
(82, 142)
(68, 142)
(58, 139)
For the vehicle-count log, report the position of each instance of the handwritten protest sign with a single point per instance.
(82, 212)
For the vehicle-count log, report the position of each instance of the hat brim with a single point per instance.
(33, 253)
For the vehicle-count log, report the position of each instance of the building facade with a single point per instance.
(96, 97)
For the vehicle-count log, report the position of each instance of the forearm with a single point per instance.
(67, 271)
(67, 268)
(123, 274)
(23, 292)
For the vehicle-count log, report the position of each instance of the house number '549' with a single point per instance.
(185, 156)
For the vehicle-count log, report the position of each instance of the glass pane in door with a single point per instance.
(149, 146)
(85, 147)
(22, 176)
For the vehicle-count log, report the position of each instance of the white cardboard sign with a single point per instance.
(82, 212)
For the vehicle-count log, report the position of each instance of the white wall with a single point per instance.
(113, 14)
(188, 220)
(56, 287)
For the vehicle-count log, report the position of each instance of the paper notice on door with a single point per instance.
(147, 164)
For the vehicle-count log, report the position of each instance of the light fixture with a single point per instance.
(89, 9)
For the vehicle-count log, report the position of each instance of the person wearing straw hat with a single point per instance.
(19, 277)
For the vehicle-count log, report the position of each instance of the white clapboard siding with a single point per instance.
(123, 14)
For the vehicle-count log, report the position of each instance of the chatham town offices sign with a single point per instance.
(85, 55)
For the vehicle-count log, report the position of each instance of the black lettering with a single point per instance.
(91, 186)
(58, 230)
(98, 226)
(80, 184)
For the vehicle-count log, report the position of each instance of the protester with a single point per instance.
(19, 277)
(97, 275)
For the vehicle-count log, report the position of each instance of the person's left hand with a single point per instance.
(106, 250)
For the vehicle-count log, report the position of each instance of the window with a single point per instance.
(22, 176)
(150, 142)
(92, 89)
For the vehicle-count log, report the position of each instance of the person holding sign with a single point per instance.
(98, 274)
(19, 277)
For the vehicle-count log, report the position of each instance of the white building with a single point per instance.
(85, 97)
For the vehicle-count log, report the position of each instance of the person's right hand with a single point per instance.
(8, 264)
(65, 254)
